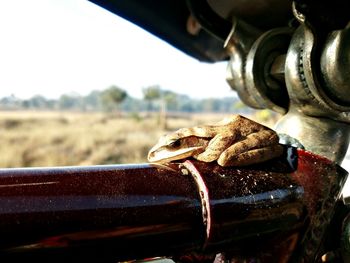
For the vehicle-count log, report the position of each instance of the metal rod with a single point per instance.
(128, 210)
(123, 212)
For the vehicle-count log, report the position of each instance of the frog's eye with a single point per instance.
(176, 143)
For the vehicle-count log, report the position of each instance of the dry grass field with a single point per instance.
(32, 139)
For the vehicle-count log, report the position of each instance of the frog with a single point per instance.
(234, 141)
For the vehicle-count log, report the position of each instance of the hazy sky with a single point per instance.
(51, 47)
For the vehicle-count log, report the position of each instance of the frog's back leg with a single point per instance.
(253, 156)
(255, 148)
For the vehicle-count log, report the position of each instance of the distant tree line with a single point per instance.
(116, 99)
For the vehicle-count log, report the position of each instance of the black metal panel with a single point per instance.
(167, 20)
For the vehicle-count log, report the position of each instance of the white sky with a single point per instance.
(51, 47)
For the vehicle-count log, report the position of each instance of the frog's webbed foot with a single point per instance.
(255, 148)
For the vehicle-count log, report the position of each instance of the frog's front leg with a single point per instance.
(255, 148)
(216, 146)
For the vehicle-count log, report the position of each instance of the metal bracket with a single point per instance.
(253, 68)
(301, 73)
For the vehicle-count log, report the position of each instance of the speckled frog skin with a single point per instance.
(234, 141)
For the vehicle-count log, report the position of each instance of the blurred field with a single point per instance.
(31, 139)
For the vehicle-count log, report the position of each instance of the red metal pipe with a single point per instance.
(122, 212)
(130, 211)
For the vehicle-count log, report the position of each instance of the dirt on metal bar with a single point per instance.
(125, 212)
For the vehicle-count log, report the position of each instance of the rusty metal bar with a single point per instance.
(96, 212)
(123, 212)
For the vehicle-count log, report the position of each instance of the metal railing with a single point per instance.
(276, 210)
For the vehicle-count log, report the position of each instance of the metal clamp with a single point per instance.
(301, 73)
(316, 116)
